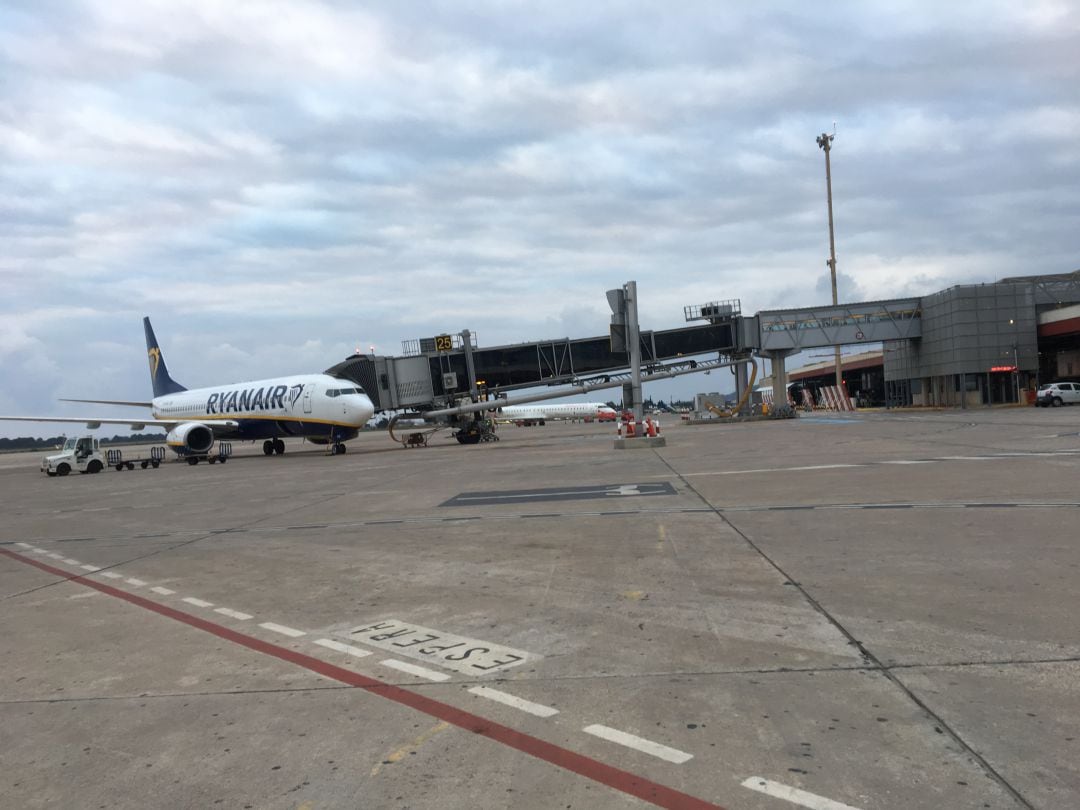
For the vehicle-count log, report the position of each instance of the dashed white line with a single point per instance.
(111, 574)
(138, 583)
(90, 567)
(162, 591)
(24, 545)
(235, 614)
(191, 600)
(39, 550)
(639, 743)
(827, 467)
(538, 709)
(1034, 453)
(55, 556)
(872, 463)
(412, 669)
(349, 649)
(794, 795)
(776, 470)
(70, 561)
(280, 628)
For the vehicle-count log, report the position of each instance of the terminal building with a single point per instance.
(968, 345)
(863, 374)
(984, 344)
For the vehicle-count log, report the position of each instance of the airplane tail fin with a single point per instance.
(159, 372)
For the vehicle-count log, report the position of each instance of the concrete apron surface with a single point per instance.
(861, 611)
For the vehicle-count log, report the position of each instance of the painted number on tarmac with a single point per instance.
(466, 655)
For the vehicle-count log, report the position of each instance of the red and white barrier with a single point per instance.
(629, 428)
(834, 398)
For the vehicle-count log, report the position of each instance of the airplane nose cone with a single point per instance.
(368, 409)
(361, 411)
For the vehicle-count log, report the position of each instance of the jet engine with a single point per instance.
(192, 436)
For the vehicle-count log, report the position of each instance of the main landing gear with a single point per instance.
(271, 446)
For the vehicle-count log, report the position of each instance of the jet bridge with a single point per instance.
(435, 372)
(792, 330)
(778, 333)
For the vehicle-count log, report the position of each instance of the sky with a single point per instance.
(280, 183)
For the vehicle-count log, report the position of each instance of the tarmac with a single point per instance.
(872, 610)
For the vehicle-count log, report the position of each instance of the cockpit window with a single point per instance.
(337, 392)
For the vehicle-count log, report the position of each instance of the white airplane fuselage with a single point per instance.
(316, 406)
(544, 411)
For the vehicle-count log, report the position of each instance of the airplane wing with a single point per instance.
(111, 402)
(93, 422)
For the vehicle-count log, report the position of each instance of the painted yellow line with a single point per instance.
(239, 417)
(405, 750)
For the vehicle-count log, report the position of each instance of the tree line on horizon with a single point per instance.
(37, 443)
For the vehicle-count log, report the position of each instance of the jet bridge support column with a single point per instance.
(741, 381)
(633, 338)
(626, 337)
(779, 377)
(466, 341)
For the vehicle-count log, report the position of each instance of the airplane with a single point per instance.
(321, 408)
(542, 411)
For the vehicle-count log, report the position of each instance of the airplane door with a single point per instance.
(307, 398)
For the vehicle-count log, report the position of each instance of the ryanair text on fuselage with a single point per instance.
(252, 399)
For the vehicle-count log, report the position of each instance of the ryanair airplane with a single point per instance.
(323, 409)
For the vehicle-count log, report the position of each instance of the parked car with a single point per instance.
(1059, 393)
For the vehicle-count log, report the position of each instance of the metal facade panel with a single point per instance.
(969, 330)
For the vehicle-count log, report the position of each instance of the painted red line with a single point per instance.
(613, 777)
